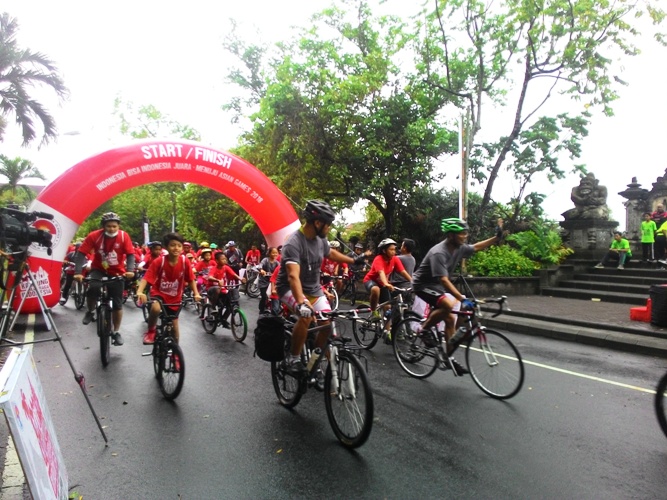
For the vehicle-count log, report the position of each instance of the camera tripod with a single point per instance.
(22, 272)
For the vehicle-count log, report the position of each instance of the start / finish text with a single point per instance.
(193, 153)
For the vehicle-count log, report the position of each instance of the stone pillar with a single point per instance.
(635, 206)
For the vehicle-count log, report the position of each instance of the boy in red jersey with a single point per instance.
(376, 280)
(167, 275)
(220, 276)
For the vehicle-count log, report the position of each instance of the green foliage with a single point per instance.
(338, 118)
(542, 244)
(15, 171)
(147, 121)
(500, 261)
(23, 71)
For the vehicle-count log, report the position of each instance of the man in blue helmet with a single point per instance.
(431, 281)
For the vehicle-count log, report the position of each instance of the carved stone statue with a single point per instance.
(590, 200)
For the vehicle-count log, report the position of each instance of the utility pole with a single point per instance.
(463, 150)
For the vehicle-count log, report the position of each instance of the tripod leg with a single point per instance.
(78, 376)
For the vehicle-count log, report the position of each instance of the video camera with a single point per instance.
(15, 231)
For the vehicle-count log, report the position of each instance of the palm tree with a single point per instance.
(16, 171)
(21, 69)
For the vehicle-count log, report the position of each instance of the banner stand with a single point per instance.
(28, 418)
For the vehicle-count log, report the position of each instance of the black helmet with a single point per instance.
(318, 210)
(109, 217)
(154, 244)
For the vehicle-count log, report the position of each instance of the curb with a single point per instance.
(622, 341)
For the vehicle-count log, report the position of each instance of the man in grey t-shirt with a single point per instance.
(431, 281)
(298, 282)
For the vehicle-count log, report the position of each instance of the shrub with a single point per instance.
(542, 245)
(500, 261)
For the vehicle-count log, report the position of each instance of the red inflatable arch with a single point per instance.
(81, 189)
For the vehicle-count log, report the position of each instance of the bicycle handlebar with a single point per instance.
(496, 300)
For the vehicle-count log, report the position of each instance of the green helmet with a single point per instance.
(454, 225)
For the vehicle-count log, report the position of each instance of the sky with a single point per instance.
(170, 54)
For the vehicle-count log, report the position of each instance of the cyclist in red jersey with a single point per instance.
(222, 275)
(113, 251)
(376, 280)
(167, 275)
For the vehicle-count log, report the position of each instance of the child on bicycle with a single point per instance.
(219, 277)
(168, 275)
(376, 280)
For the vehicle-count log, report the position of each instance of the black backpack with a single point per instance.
(270, 338)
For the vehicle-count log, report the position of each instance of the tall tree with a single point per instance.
(16, 171)
(339, 118)
(520, 54)
(21, 70)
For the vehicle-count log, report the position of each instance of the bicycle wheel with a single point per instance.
(349, 400)
(239, 324)
(495, 364)
(104, 332)
(367, 330)
(412, 355)
(289, 387)
(171, 374)
(661, 403)
(208, 320)
(79, 295)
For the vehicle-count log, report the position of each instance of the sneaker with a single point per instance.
(375, 315)
(294, 366)
(429, 338)
(225, 324)
(62, 301)
(599, 266)
(319, 380)
(149, 337)
(117, 339)
(460, 370)
(88, 317)
(620, 267)
(387, 337)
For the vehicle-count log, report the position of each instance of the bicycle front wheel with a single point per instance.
(208, 320)
(661, 403)
(239, 324)
(171, 372)
(289, 387)
(104, 333)
(495, 364)
(79, 295)
(366, 330)
(416, 359)
(348, 399)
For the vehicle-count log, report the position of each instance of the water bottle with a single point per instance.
(387, 314)
(314, 356)
(460, 333)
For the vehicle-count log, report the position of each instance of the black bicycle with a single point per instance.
(493, 361)
(168, 361)
(369, 328)
(211, 315)
(349, 290)
(339, 372)
(103, 313)
(78, 293)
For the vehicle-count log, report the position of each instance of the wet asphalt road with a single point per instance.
(226, 436)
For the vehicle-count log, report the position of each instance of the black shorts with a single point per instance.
(430, 295)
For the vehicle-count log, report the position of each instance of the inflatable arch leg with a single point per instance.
(81, 189)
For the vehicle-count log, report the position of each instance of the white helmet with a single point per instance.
(386, 242)
(334, 244)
